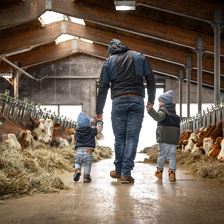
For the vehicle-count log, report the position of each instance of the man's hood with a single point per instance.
(116, 46)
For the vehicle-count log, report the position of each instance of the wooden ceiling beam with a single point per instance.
(16, 14)
(41, 55)
(123, 21)
(27, 39)
(197, 10)
(130, 23)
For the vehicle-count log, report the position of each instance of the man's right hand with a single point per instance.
(99, 117)
(149, 106)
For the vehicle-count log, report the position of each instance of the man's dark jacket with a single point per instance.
(124, 71)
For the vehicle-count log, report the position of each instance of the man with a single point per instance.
(124, 71)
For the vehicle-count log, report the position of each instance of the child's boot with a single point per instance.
(87, 178)
(159, 174)
(77, 174)
(172, 176)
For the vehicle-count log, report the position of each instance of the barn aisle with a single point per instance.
(106, 201)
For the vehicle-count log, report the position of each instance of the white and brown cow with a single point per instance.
(220, 156)
(44, 131)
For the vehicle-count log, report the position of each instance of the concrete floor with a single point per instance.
(106, 201)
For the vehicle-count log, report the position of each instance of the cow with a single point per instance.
(192, 140)
(214, 152)
(184, 138)
(61, 138)
(23, 136)
(207, 144)
(44, 131)
(203, 134)
(220, 156)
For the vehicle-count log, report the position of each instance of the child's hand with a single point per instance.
(149, 106)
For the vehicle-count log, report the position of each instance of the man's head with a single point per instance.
(83, 120)
(116, 46)
(167, 97)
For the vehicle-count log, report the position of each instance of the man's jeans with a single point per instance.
(84, 156)
(166, 152)
(127, 116)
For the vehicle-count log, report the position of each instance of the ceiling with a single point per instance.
(165, 31)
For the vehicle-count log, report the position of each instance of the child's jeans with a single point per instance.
(84, 157)
(166, 152)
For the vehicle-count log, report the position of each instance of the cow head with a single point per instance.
(44, 131)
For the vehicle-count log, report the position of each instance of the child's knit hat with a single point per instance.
(167, 97)
(83, 120)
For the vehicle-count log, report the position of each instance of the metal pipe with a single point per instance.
(199, 52)
(217, 33)
(181, 78)
(188, 73)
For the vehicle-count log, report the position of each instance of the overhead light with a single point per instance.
(76, 20)
(64, 37)
(124, 5)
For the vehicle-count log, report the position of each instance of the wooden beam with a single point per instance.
(41, 55)
(123, 21)
(128, 22)
(31, 38)
(17, 14)
(198, 10)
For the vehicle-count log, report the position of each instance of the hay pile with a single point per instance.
(101, 152)
(23, 173)
(30, 171)
(198, 164)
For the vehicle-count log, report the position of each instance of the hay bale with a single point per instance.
(198, 164)
(148, 149)
(32, 170)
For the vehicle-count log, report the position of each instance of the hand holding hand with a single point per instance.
(99, 117)
(149, 106)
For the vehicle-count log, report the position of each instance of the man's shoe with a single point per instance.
(159, 174)
(127, 179)
(87, 178)
(172, 176)
(77, 175)
(114, 174)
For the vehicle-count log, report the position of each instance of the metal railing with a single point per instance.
(22, 111)
(210, 116)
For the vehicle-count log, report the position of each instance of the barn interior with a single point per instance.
(52, 52)
(182, 43)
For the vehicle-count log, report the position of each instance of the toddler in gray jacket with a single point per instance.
(167, 133)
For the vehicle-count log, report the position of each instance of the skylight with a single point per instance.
(76, 20)
(64, 37)
(52, 17)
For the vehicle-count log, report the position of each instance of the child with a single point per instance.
(167, 133)
(85, 144)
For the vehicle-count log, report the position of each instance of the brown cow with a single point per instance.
(214, 152)
(184, 136)
(220, 157)
(61, 138)
(23, 136)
